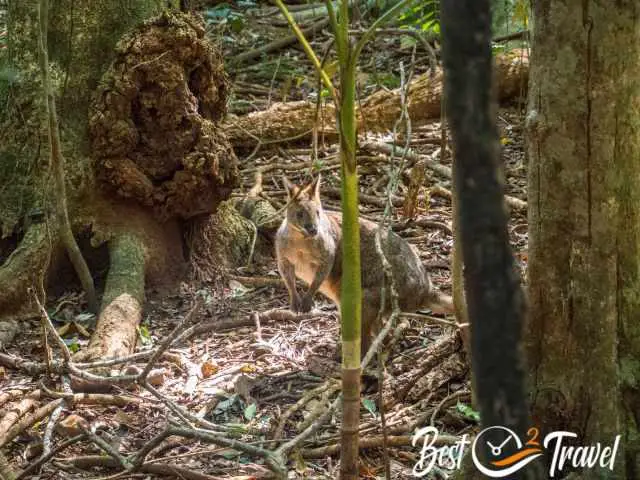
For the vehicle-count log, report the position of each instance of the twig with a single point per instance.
(53, 419)
(57, 161)
(429, 318)
(107, 448)
(445, 401)
(279, 43)
(29, 420)
(306, 398)
(49, 325)
(285, 448)
(522, 35)
(273, 79)
(375, 442)
(45, 458)
(274, 461)
(138, 458)
(168, 340)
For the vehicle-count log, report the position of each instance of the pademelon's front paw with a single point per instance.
(296, 304)
(306, 303)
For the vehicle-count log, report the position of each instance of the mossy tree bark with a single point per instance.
(583, 335)
(81, 37)
(111, 100)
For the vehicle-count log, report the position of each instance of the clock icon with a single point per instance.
(507, 453)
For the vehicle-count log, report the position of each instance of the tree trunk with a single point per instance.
(495, 299)
(81, 36)
(137, 157)
(376, 113)
(583, 339)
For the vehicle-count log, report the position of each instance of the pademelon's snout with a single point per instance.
(311, 229)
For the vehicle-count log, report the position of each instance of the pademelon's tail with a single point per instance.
(440, 302)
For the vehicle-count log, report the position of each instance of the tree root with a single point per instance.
(116, 331)
(26, 266)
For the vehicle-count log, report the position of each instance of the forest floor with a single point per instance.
(265, 381)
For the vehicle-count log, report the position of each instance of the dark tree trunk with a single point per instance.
(495, 300)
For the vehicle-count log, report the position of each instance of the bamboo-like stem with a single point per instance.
(333, 19)
(307, 48)
(57, 164)
(380, 21)
(351, 288)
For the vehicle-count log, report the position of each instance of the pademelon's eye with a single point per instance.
(300, 215)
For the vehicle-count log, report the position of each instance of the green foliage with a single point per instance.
(424, 16)
(250, 411)
(370, 406)
(73, 344)
(225, 16)
(509, 16)
(468, 412)
(144, 335)
(386, 79)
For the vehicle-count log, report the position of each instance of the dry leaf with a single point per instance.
(248, 368)
(72, 426)
(209, 368)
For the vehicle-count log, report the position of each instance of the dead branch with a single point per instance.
(168, 340)
(273, 460)
(27, 421)
(374, 442)
(34, 466)
(306, 398)
(279, 43)
(380, 110)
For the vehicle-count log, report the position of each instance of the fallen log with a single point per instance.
(377, 113)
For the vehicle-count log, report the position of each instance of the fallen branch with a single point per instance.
(279, 43)
(28, 421)
(375, 442)
(378, 112)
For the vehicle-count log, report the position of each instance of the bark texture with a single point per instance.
(583, 335)
(377, 113)
(80, 42)
(495, 299)
(121, 312)
(154, 140)
(167, 82)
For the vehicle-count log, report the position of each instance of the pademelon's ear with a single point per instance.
(289, 187)
(316, 188)
(313, 189)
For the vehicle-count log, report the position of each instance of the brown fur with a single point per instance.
(308, 246)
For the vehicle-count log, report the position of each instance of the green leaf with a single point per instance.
(407, 42)
(73, 344)
(468, 412)
(225, 405)
(250, 411)
(230, 454)
(370, 406)
(144, 334)
(318, 164)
